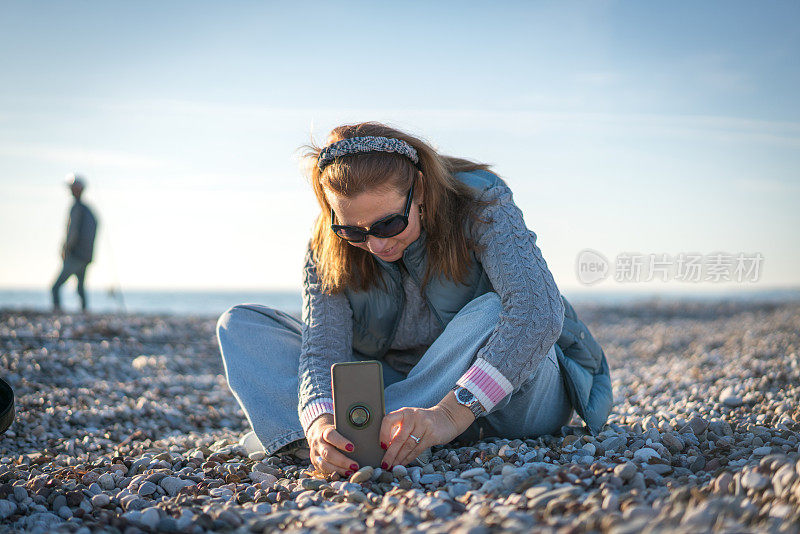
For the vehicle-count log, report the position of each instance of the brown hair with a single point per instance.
(448, 204)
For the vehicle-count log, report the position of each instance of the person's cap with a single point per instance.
(73, 179)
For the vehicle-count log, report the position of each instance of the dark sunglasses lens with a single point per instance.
(351, 234)
(390, 227)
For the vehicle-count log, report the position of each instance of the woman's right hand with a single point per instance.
(327, 447)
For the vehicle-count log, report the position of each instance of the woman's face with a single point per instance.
(370, 206)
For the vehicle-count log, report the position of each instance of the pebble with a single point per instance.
(660, 469)
(458, 489)
(415, 473)
(698, 464)
(263, 478)
(698, 425)
(101, 500)
(20, 494)
(399, 471)
(475, 471)
(257, 456)
(312, 483)
(173, 485)
(723, 482)
(106, 481)
(625, 471)
(362, 475)
(729, 398)
(432, 478)
(59, 501)
(645, 454)
(129, 424)
(6, 508)
(613, 444)
(150, 518)
(147, 488)
(754, 480)
(673, 443)
(435, 508)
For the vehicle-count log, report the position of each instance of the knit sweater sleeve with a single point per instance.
(327, 338)
(532, 314)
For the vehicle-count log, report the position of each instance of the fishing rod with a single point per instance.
(115, 290)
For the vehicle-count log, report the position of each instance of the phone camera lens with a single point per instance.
(359, 416)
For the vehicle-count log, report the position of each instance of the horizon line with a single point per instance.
(685, 288)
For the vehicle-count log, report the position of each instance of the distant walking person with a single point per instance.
(78, 244)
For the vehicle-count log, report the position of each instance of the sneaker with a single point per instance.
(250, 443)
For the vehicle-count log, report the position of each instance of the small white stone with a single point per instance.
(729, 398)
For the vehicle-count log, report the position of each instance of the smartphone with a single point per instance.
(358, 408)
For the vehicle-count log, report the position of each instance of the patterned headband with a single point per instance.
(354, 145)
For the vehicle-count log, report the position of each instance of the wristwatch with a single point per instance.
(466, 398)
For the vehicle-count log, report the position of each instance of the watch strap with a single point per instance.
(475, 406)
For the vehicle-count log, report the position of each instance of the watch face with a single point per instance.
(465, 396)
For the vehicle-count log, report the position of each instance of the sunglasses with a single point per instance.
(389, 226)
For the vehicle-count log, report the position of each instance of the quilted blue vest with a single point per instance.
(376, 314)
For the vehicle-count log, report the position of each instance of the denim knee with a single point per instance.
(229, 322)
(226, 320)
(487, 307)
(233, 314)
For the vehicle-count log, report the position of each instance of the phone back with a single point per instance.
(358, 408)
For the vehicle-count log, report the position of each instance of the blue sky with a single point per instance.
(620, 126)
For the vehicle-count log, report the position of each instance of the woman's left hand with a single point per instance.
(433, 426)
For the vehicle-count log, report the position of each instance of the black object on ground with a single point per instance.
(6, 406)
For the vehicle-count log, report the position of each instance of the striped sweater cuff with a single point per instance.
(313, 410)
(485, 382)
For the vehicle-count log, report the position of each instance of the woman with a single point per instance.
(424, 263)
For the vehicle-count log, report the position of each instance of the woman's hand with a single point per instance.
(325, 444)
(433, 426)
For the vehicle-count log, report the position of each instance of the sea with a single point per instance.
(214, 302)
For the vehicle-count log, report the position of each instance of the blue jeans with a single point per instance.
(260, 349)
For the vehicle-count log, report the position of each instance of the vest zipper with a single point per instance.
(399, 283)
(427, 300)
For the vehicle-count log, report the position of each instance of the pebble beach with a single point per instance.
(125, 424)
